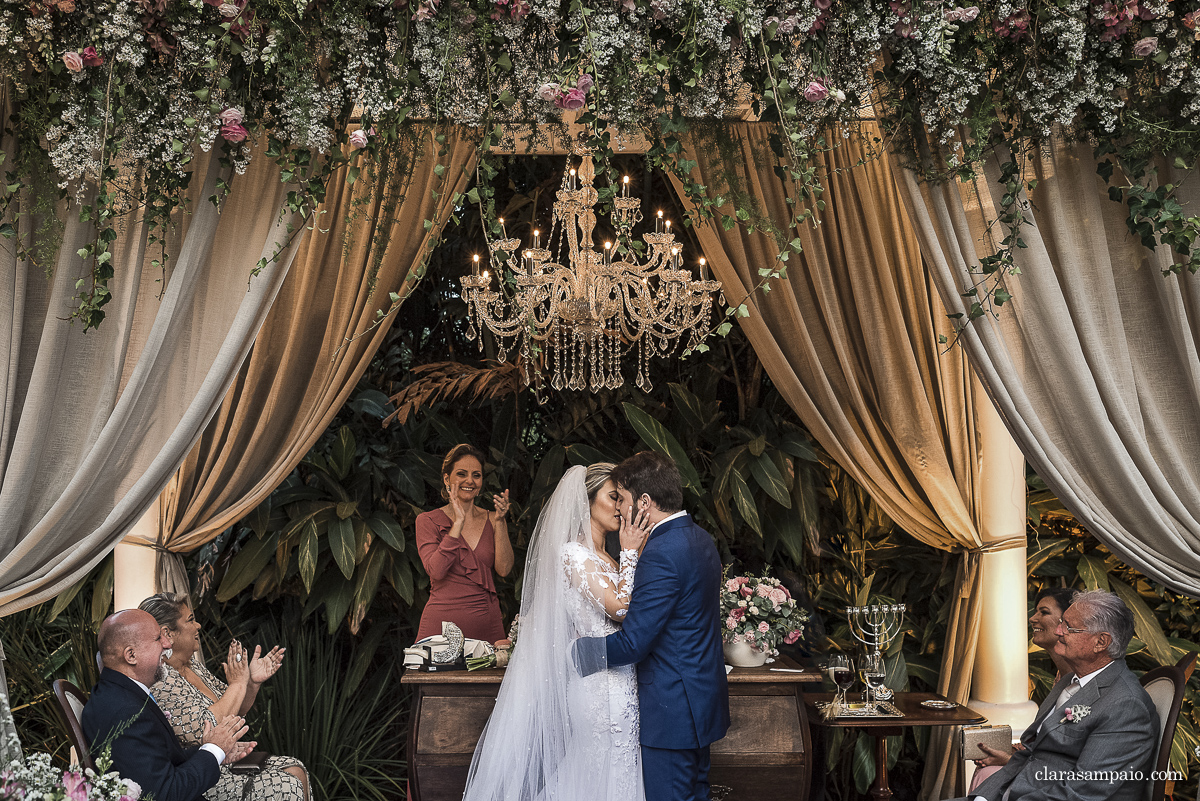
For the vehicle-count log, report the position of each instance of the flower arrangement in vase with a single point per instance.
(758, 612)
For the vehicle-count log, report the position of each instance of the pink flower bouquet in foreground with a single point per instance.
(760, 611)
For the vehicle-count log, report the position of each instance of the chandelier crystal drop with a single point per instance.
(581, 318)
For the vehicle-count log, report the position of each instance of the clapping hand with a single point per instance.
(226, 734)
(237, 666)
(501, 503)
(239, 752)
(264, 667)
(634, 530)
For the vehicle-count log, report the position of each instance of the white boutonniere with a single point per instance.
(1074, 714)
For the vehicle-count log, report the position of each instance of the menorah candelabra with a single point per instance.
(874, 626)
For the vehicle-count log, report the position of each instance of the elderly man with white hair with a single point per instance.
(1095, 736)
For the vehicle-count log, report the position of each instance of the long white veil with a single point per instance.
(539, 744)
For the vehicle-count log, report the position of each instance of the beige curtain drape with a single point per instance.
(317, 341)
(1093, 364)
(850, 340)
(93, 424)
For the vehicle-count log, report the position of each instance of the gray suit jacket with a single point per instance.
(1106, 755)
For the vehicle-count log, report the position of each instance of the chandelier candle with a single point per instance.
(574, 317)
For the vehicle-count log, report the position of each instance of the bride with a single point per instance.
(553, 735)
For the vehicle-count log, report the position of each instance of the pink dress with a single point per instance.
(461, 587)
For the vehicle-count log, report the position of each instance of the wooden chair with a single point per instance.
(70, 705)
(1165, 687)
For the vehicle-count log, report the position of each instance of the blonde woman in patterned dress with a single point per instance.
(191, 696)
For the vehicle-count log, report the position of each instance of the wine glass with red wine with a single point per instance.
(841, 670)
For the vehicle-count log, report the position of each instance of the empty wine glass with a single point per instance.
(872, 671)
(841, 671)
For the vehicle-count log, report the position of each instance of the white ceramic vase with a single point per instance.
(743, 654)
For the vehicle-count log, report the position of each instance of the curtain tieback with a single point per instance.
(1006, 544)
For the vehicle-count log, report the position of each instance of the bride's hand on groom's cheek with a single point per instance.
(634, 529)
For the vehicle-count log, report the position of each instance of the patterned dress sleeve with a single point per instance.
(185, 707)
(588, 574)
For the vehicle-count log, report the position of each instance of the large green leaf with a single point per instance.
(367, 586)
(337, 603)
(1144, 623)
(308, 555)
(862, 765)
(245, 567)
(654, 434)
(691, 408)
(64, 598)
(745, 501)
(342, 457)
(580, 454)
(401, 579)
(341, 545)
(795, 444)
(102, 596)
(1093, 572)
(1044, 549)
(770, 479)
(386, 527)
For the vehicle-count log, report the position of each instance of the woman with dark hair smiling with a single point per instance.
(1048, 608)
(191, 696)
(459, 545)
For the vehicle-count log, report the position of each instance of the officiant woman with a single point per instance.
(460, 544)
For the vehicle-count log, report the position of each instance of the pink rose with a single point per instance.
(548, 92)
(731, 585)
(1145, 47)
(762, 591)
(904, 30)
(571, 100)
(792, 636)
(231, 116)
(731, 624)
(629, 5)
(737, 614)
(584, 83)
(777, 596)
(763, 627)
(750, 636)
(72, 60)
(823, 4)
(1189, 20)
(228, 10)
(77, 789)
(91, 58)
(969, 13)
(746, 591)
(815, 92)
(358, 139)
(233, 133)
(1070, 714)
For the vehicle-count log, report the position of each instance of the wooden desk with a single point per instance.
(882, 728)
(766, 751)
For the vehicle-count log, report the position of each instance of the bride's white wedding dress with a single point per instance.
(608, 700)
(554, 735)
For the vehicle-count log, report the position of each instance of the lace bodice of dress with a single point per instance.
(591, 581)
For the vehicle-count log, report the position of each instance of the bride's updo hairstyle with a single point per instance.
(597, 475)
(650, 473)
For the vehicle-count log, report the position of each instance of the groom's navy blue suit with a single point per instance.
(672, 633)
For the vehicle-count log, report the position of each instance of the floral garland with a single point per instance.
(93, 84)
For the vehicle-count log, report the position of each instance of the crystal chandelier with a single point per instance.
(579, 320)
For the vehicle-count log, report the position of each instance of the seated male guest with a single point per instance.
(122, 713)
(1095, 736)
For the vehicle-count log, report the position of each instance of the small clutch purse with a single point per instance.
(997, 737)
(252, 762)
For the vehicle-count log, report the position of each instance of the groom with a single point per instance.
(672, 633)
